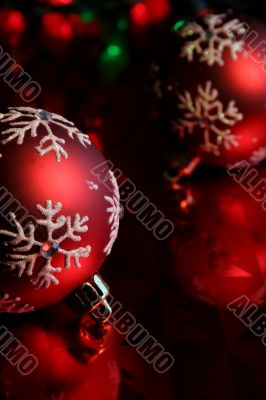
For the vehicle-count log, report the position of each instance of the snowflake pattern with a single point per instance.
(258, 155)
(11, 304)
(24, 255)
(114, 209)
(207, 113)
(25, 120)
(210, 41)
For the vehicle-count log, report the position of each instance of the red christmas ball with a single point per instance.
(58, 222)
(53, 362)
(213, 88)
(219, 253)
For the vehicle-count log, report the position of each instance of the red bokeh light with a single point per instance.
(61, 2)
(150, 11)
(158, 9)
(12, 25)
(139, 14)
(57, 26)
(15, 22)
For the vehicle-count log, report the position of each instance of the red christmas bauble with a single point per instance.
(213, 87)
(53, 362)
(58, 222)
(219, 253)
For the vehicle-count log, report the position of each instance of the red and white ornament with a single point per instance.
(213, 89)
(57, 221)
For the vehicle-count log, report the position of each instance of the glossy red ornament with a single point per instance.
(58, 222)
(219, 253)
(62, 364)
(212, 88)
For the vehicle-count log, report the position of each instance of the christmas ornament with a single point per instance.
(210, 90)
(57, 222)
(91, 307)
(63, 370)
(219, 254)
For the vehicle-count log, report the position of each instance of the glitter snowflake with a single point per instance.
(258, 155)
(207, 113)
(115, 212)
(25, 120)
(11, 304)
(210, 41)
(23, 258)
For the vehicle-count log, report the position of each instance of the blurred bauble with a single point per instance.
(220, 254)
(58, 222)
(211, 88)
(58, 366)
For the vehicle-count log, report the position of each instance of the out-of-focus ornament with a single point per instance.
(60, 364)
(211, 89)
(219, 254)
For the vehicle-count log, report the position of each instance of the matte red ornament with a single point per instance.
(57, 221)
(212, 89)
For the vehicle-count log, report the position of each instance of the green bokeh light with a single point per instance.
(122, 24)
(114, 59)
(178, 25)
(87, 16)
(113, 50)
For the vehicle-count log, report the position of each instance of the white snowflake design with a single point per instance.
(11, 304)
(24, 255)
(207, 113)
(92, 185)
(210, 41)
(258, 155)
(115, 211)
(32, 121)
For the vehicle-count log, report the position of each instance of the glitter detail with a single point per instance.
(207, 113)
(23, 262)
(210, 41)
(44, 115)
(115, 211)
(49, 142)
(11, 304)
(258, 155)
(49, 249)
(92, 185)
